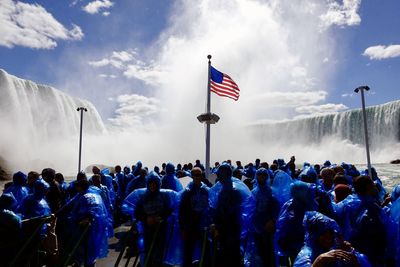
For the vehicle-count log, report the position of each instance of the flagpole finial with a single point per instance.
(209, 57)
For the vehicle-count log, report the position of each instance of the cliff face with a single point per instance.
(4, 173)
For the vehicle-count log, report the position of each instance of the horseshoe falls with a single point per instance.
(339, 136)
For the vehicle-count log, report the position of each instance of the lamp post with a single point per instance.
(362, 89)
(80, 109)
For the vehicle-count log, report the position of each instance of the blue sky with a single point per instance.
(141, 60)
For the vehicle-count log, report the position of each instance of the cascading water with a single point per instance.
(37, 119)
(383, 127)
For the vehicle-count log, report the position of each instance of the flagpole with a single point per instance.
(208, 128)
(208, 118)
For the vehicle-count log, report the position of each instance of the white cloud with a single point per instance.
(321, 109)
(106, 13)
(112, 76)
(382, 52)
(134, 110)
(347, 95)
(149, 74)
(342, 14)
(95, 7)
(118, 59)
(30, 25)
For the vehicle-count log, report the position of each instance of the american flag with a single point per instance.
(223, 85)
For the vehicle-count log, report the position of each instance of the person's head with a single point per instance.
(81, 176)
(262, 176)
(274, 167)
(95, 170)
(364, 186)
(82, 185)
(224, 173)
(179, 167)
(59, 178)
(216, 164)
(341, 192)
(264, 165)
(40, 189)
(258, 162)
(338, 170)
(48, 175)
(157, 169)
(163, 165)
(19, 178)
(327, 176)
(237, 173)
(197, 176)
(117, 168)
(197, 162)
(96, 180)
(308, 175)
(170, 169)
(127, 170)
(238, 163)
(321, 231)
(153, 182)
(340, 179)
(180, 174)
(303, 193)
(190, 166)
(8, 202)
(143, 173)
(32, 178)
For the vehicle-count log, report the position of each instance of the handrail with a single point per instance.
(203, 247)
(124, 243)
(147, 259)
(76, 245)
(42, 220)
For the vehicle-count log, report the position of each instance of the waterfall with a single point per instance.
(40, 122)
(383, 127)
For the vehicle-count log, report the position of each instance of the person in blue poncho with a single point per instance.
(324, 246)
(194, 219)
(35, 204)
(151, 207)
(281, 185)
(10, 228)
(365, 224)
(289, 234)
(265, 215)
(18, 187)
(232, 205)
(105, 196)
(137, 182)
(169, 180)
(89, 210)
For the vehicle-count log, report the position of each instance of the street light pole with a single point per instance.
(81, 109)
(362, 89)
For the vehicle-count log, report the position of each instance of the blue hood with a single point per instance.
(153, 177)
(40, 188)
(308, 174)
(170, 169)
(224, 173)
(8, 202)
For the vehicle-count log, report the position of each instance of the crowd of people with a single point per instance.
(259, 214)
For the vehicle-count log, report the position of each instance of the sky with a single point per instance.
(143, 62)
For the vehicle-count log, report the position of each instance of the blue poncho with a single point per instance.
(315, 225)
(90, 206)
(170, 181)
